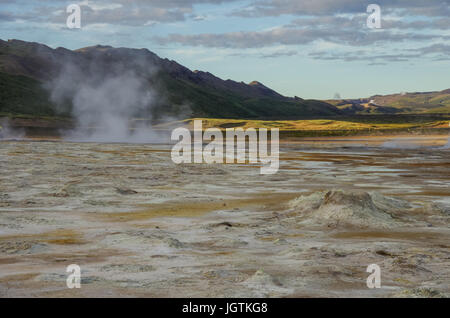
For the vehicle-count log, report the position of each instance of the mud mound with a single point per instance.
(339, 208)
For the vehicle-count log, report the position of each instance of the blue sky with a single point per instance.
(307, 48)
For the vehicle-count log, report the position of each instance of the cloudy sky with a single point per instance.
(308, 48)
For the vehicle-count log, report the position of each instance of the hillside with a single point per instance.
(404, 103)
(429, 102)
(23, 95)
(27, 69)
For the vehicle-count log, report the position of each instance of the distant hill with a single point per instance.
(362, 106)
(27, 68)
(428, 102)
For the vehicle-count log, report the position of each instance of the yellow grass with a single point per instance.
(309, 125)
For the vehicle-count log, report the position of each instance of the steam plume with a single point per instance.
(7, 132)
(105, 96)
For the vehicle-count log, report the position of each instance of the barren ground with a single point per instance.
(139, 225)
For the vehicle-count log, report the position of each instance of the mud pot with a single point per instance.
(139, 225)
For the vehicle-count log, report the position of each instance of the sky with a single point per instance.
(308, 48)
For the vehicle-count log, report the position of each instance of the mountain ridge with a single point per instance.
(188, 93)
(27, 68)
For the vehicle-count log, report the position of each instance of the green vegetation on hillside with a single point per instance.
(25, 66)
(204, 101)
(433, 102)
(181, 92)
(21, 95)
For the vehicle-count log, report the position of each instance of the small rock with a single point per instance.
(125, 191)
(174, 243)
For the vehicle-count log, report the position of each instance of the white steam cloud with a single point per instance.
(105, 97)
(7, 132)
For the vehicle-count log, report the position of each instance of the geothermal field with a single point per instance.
(139, 225)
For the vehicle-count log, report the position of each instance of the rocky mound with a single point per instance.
(345, 208)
